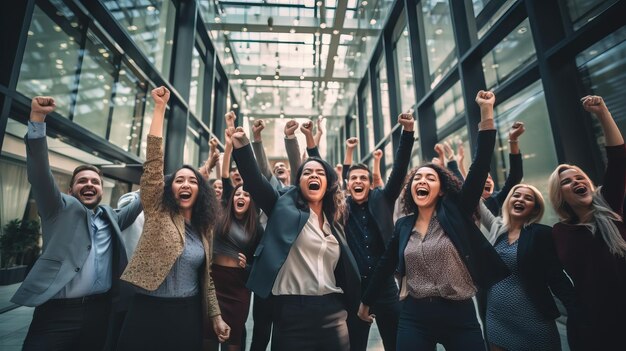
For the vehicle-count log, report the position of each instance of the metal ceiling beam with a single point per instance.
(340, 15)
(270, 77)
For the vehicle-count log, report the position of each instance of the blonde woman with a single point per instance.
(520, 311)
(590, 239)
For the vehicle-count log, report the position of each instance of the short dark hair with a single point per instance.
(361, 166)
(85, 168)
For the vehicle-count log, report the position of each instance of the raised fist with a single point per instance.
(516, 130)
(307, 127)
(160, 95)
(378, 154)
(447, 148)
(230, 119)
(213, 144)
(594, 104)
(485, 99)
(320, 130)
(40, 106)
(351, 143)
(407, 121)
(439, 150)
(257, 127)
(290, 127)
(239, 138)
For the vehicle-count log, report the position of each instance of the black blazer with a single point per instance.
(285, 222)
(516, 173)
(454, 212)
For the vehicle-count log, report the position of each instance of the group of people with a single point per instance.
(326, 251)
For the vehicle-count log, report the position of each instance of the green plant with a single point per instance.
(18, 239)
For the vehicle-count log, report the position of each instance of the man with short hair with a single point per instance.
(368, 230)
(74, 284)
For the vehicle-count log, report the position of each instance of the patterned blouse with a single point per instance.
(434, 267)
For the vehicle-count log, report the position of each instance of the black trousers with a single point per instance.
(426, 322)
(262, 310)
(157, 323)
(310, 323)
(69, 324)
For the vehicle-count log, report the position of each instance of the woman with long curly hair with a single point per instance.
(440, 254)
(520, 310)
(170, 267)
(236, 237)
(303, 259)
(590, 239)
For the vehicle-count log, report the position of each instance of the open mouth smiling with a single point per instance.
(88, 193)
(240, 204)
(185, 195)
(314, 185)
(358, 189)
(580, 190)
(422, 192)
(518, 207)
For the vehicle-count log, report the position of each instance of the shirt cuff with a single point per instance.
(36, 130)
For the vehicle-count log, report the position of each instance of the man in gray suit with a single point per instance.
(74, 285)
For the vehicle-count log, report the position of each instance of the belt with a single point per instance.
(80, 300)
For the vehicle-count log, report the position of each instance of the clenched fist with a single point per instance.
(40, 106)
(485, 99)
(307, 127)
(351, 143)
(290, 127)
(407, 121)
(160, 95)
(378, 154)
(257, 127)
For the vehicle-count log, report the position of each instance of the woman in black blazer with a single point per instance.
(440, 254)
(303, 260)
(520, 310)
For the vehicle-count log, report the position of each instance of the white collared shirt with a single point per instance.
(310, 266)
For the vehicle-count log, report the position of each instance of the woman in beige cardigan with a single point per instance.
(170, 267)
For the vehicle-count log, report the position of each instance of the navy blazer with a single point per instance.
(286, 218)
(454, 213)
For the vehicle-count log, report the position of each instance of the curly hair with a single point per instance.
(250, 218)
(450, 184)
(205, 210)
(333, 202)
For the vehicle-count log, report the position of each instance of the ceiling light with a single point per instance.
(240, 81)
(237, 71)
(323, 25)
(258, 78)
(227, 49)
(438, 31)
(364, 3)
(301, 77)
(235, 106)
(151, 8)
(522, 30)
(282, 115)
(335, 32)
(292, 30)
(373, 21)
(296, 21)
(319, 3)
(217, 19)
(244, 29)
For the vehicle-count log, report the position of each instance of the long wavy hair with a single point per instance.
(206, 208)
(450, 184)
(603, 216)
(333, 202)
(250, 218)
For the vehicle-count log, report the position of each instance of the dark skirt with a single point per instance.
(159, 323)
(233, 298)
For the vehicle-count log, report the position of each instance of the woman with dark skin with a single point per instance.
(590, 239)
(170, 267)
(441, 255)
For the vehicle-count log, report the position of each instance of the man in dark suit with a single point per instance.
(368, 229)
(74, 285)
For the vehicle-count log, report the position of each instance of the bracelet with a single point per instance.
(512, 141)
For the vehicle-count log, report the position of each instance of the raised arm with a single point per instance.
(402, 158)
(261, 191)
(460, 158)
(451, 162)
(45, 190)
(319, 132)
(311, 147)
(615, 174)
(487, 219)
(351, 144)
(516, 170)
(475, 180)
(377, 177)
(152, 179)
(293, 148)
(259, 150)
(211, 161)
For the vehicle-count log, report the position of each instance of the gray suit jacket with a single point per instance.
(65, 224)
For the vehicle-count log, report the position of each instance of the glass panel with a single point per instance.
(128, 105)
(196, 90)
(583, 11)
(151, 25)
(94, 89)
(369, 118)
(536, 144)
(603, 70)
(192, 149)
(488, 12)
(51, 58)
(405, 71)
(439, 37)
(384, 96)
(449, 106)
(510, 56)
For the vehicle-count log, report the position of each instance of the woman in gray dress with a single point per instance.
(520, 310)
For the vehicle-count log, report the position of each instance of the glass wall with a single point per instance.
(439, 38)
(457, 140)
(488, 12)
(404, 69)
(384, 96)
(128, 101)
(583, 11)
(536, 144)
(366, 104)
(151, 25)
(603, 70)
(449, 106)
(51, 57)
(510, 56)
(196, 90)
